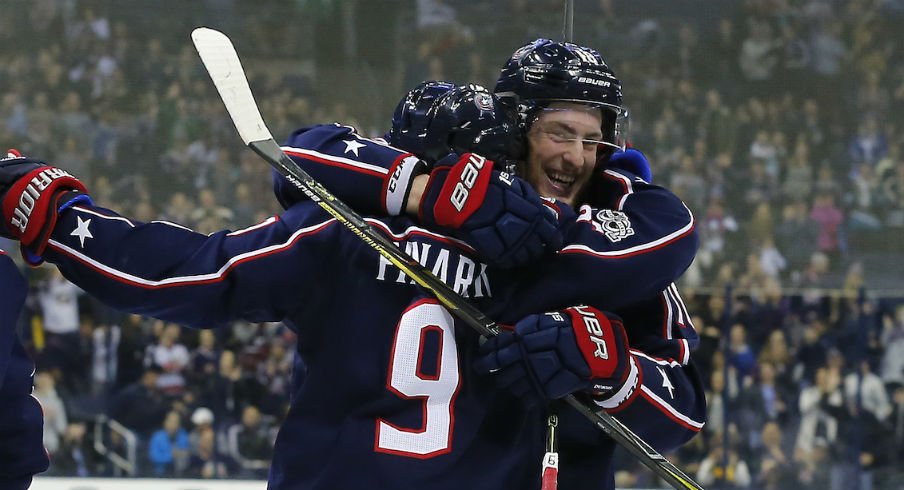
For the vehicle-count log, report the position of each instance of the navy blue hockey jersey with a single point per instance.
(388, 399)
(22, 451)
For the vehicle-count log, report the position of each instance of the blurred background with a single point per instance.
(777, 121)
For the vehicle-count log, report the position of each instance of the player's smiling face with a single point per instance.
(562, 149)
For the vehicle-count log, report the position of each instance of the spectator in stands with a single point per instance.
(797, 183)
(58, 300)
(140, 406)
(275, 375)
(717, 403)
(865, 445)
(104, 357)
(718, 228)
(205, 461)
(774, 467)
(201, 419)
(168, 447)
(74, 456)
(741, 355)
(250, 443)
(796, 236)
(869, 145)
(171, 357)
(892, 340)
(760, 402)
(815, 278)
(861, 199)
(811, 353)
(714, 473)
(759, 55)
(229, 390)
(55, 420)
(778, 353)
(210, 216)
(865, 391)
(687, 182)
(130, 355)
(178, 208)
(821, 407)
(895, 431)
(204, 358)
(830, 219)
(893, 195)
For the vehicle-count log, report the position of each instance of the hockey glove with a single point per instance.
(632, 161)
(551, 355)
(32, 194)
(498, 214)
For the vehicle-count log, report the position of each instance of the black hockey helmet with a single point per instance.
(545, 71)
(437, 118)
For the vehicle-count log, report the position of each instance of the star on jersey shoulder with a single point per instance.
(353, 146)
(82, 231)
(666, 382)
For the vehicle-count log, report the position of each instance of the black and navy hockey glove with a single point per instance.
(498, 214)
(633, 161)
(32, 194)
(551, 355)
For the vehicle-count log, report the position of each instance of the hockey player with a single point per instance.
(22, 453)
(568, 108)
(566, 97)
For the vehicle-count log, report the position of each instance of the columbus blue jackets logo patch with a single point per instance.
(484, 102)
(614, 224)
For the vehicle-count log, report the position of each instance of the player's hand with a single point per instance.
(551, 355)
(498, 214)
(633, 161)
(32, 193)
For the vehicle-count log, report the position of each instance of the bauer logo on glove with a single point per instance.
(499, 215)
(549, 356)
(596, 332)
(466, 180)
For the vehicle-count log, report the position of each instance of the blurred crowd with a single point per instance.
(777, 121)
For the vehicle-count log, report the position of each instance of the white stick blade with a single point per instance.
(222, 63)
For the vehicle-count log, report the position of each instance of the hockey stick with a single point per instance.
(222, 63)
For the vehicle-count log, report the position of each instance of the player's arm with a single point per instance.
(614, 256)
(158, 268)
(12, 298)
(499, 215)
(22, 453)
(368, 174)
(167, 271)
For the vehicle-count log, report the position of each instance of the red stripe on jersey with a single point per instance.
(627, 253)
(665, 361)
(625, 184)
(411, 231)
(324, 159)
(197, 279)
(669, 411)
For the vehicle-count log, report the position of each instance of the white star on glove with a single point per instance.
(82, 231)
(353, 146)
